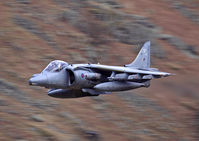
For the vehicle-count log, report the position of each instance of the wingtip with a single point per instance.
(169, 74)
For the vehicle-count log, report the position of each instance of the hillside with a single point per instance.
(33, 33)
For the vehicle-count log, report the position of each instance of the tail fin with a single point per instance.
(143, 58)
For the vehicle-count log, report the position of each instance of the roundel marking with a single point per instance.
(82, 75)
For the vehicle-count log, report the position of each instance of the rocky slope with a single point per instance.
(33, 33)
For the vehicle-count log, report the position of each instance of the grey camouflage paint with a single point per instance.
(79, 80)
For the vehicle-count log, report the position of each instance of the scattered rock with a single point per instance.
(75, 4)
(165, 36)
(111, 3)
(37, 118)
(92, 136)
(23, 1)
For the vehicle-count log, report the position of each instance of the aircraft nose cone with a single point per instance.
(30, 82)
(39, 80)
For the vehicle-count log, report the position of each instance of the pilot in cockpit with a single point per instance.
(55, 66)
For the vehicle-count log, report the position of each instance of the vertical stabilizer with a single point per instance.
(142, 60)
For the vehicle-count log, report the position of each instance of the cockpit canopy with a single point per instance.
(55, 66)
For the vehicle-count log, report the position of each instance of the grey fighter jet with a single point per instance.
(79, 80)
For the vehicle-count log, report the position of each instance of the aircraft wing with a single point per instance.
(126, 70)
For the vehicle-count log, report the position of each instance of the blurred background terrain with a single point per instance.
(35, 32)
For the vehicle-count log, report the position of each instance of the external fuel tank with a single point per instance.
(119, 86)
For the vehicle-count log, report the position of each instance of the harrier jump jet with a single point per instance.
(79, 80)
